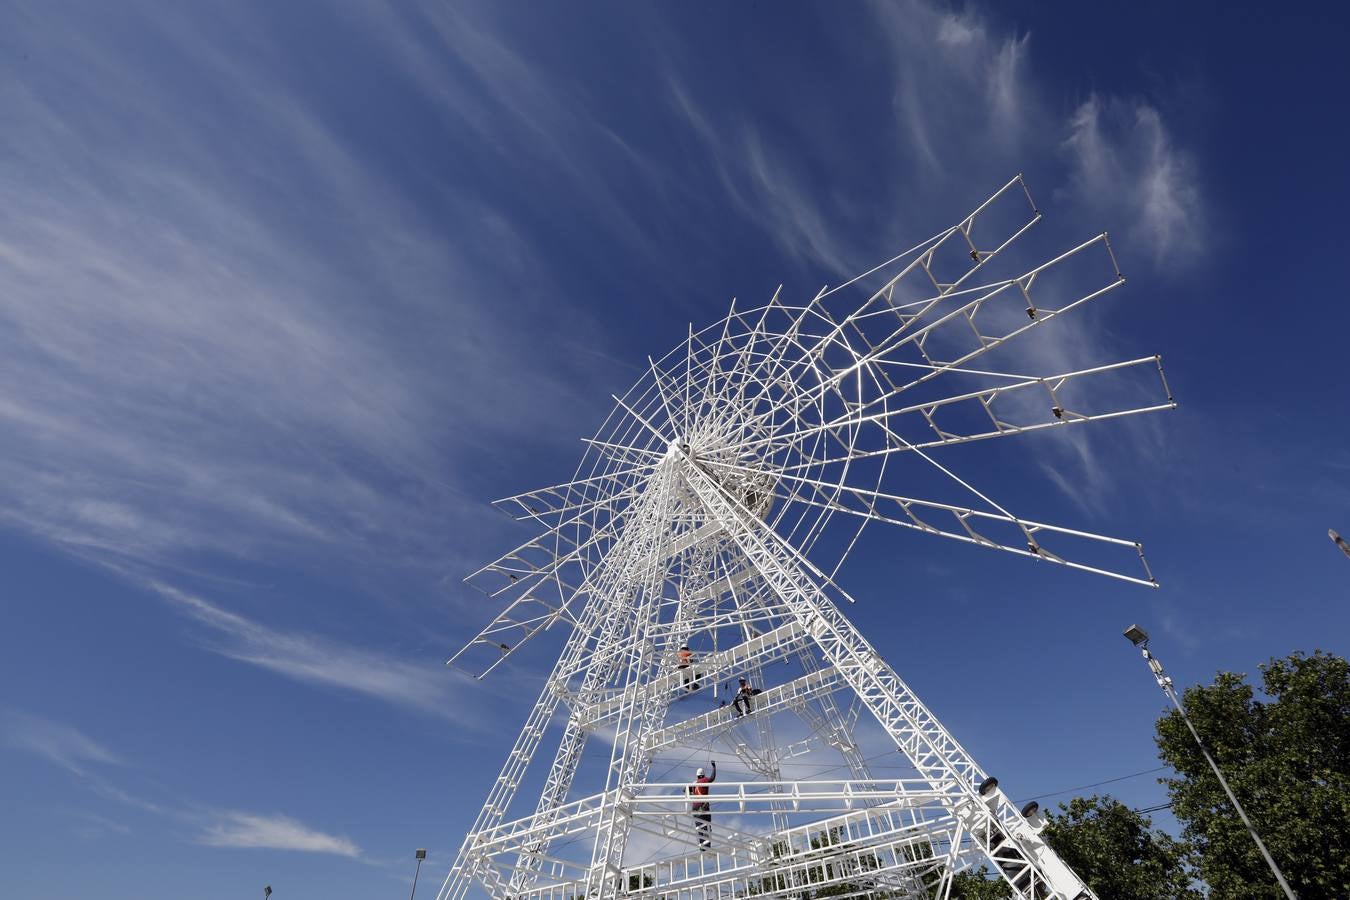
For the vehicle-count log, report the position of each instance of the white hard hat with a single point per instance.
(699, 773)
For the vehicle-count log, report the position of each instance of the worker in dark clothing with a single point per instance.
(683, 658)
(743, 702)
(701, 809)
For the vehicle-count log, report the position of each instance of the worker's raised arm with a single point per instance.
(713, 765)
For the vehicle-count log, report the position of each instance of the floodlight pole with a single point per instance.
(421, 855)
(1139, 638)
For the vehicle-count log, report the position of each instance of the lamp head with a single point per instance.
(1137, 636)
(267, 891)
(421, 854)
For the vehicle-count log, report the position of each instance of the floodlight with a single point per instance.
(1137, 635)
(421, 855)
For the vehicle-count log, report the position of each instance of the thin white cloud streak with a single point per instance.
(969, 108)
(1124, 157)
(56, 742)
(961, 90)
(324, 662)
(272, 832)
(233, 336)
(193, 372)
(540, 120)
(1002, 118)
(200, 377)
(200, 373)
(968, 105)
(762, 187)
(68, 747)
(92, 826)
(71, 749)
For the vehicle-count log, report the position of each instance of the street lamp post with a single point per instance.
(1139, 637)
(421, 855)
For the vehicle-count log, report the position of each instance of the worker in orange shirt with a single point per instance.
(684, 659)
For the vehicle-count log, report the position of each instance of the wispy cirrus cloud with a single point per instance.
(92, 826)
(324, 662)
(968, 111)
(252, 344)
(255, 831)
(968, 108)
(56, 742)
(762, 185)
(969, 87)
(70, 748)
(73, 750)
(259, 345)
(1123, 155)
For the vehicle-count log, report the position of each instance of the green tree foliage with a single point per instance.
(1118, 852)
(972, 885)
(1287, 758)
(1110, 846)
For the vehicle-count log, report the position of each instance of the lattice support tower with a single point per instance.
(713, 510)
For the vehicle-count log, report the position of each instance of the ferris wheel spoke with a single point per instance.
(533, 573)
(778, 411)
(932, 368)
(737, 377)
(772, 396)
(507, 633)
(544, 555)
(688, 377)
(890, 300)
(666, 393)
(966, 524)
(935, 323)
(702, 365)
(887, 302)
(718, 383)
(625, 453)
(1033, 404)
(964, 319)
(608, 489)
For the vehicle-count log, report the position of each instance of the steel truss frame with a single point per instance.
(692, 516)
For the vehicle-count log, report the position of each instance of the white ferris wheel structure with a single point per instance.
(712, 511)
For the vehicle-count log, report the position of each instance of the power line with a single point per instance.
(1083, 787)
(1153, 809)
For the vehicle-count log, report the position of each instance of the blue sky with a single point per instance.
(289, 292)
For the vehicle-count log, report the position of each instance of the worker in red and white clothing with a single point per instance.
(701, 809)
